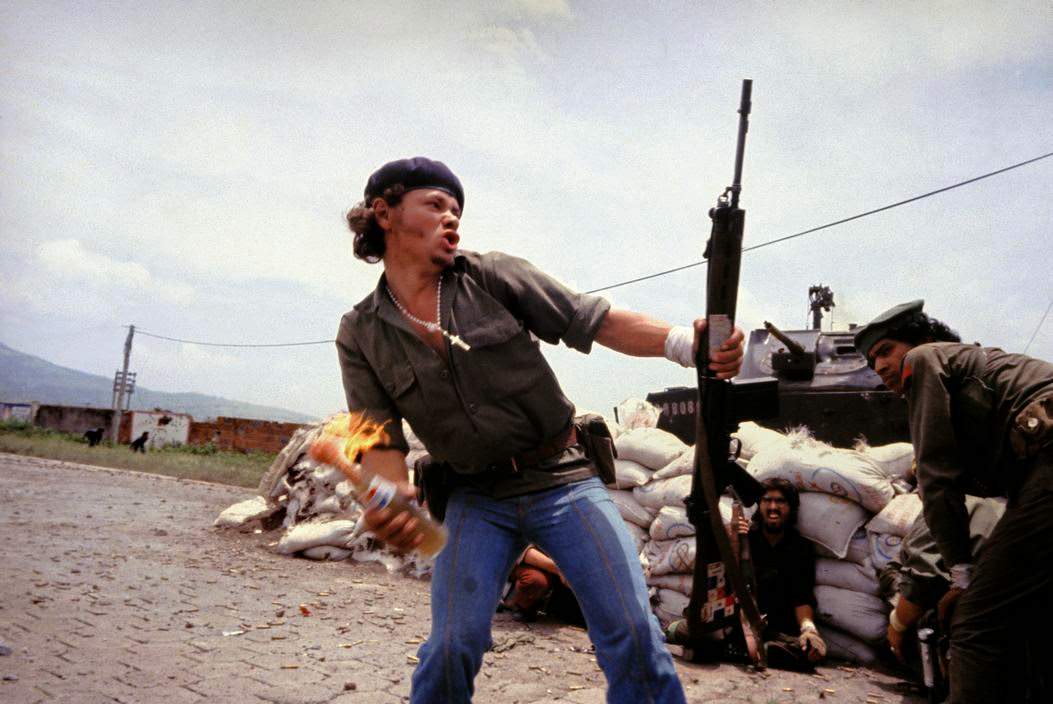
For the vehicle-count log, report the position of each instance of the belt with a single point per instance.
(533, 457)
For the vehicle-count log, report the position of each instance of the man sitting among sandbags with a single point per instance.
(784, 565)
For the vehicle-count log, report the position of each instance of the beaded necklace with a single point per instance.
(431, 327)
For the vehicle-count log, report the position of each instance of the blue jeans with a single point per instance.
(581, 530)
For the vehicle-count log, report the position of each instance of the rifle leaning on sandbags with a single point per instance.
(719, 580)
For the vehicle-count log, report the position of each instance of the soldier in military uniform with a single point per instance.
(981, 422)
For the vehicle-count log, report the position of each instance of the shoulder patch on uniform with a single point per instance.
(906, 374)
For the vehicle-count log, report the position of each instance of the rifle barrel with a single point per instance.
(744, 122)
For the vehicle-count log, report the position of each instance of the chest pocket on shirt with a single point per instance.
(503, 359)
(401, 384)
(496, 328)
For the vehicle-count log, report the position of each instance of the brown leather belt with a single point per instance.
(534, 457)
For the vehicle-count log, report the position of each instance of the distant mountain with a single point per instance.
(24, 378)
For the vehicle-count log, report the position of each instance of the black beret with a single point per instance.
(888, 321)
(418, 172)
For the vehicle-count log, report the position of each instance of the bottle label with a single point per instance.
(378, 494)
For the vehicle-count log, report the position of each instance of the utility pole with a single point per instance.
(122, 386)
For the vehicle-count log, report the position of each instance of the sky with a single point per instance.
(185, 167)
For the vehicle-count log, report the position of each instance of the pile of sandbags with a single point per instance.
(315, 504)
(842, 493)
(853, 508)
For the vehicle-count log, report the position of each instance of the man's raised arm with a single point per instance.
(640, 335)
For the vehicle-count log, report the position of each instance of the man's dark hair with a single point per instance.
(369, 237)
(788, 491)
(918, 328)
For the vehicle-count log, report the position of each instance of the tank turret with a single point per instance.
(823, 384)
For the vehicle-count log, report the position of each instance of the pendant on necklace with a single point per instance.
(456, 341)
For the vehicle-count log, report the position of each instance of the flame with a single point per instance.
(357, 432)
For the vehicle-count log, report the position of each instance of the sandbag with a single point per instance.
(307, 535)
(639, 535)
(671, 522)
(244, 512)
(629, 474)
(830, 521)
(677, 582)
(755, 438)
(636, 413)
(861, 615)
(817, 467)
(893, 460)
(651, 447)
(670, 606)
(664, 492)
(884, 548)
(631, 509)
(272, 484)
(858, 549)
(327, 552)
(847, 575)
(682, 464)
(898, 517)
(844, 646)
(670, 556)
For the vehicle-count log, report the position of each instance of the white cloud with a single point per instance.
(541, 9)
(508, 44)
(73, 265)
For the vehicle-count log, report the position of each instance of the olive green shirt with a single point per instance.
(485, 405)
(962, 400)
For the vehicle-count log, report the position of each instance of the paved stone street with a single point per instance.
(115, 588)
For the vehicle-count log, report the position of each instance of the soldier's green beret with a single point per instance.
(880, 326)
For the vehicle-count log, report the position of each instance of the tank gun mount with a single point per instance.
(792, 359)
(820, 298)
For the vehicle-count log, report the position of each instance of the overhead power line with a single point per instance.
(832, 224)
(1038, 327)
(655, 275)
(234, 344)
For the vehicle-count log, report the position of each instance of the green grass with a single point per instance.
(203, 462)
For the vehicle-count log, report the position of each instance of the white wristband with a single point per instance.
(679, 345)
(808, 625)
(962, 575)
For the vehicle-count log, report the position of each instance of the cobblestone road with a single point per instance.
(115, 588)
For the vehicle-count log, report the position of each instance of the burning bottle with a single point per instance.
(343, 441)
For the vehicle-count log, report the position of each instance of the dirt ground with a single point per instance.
(115, 588)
